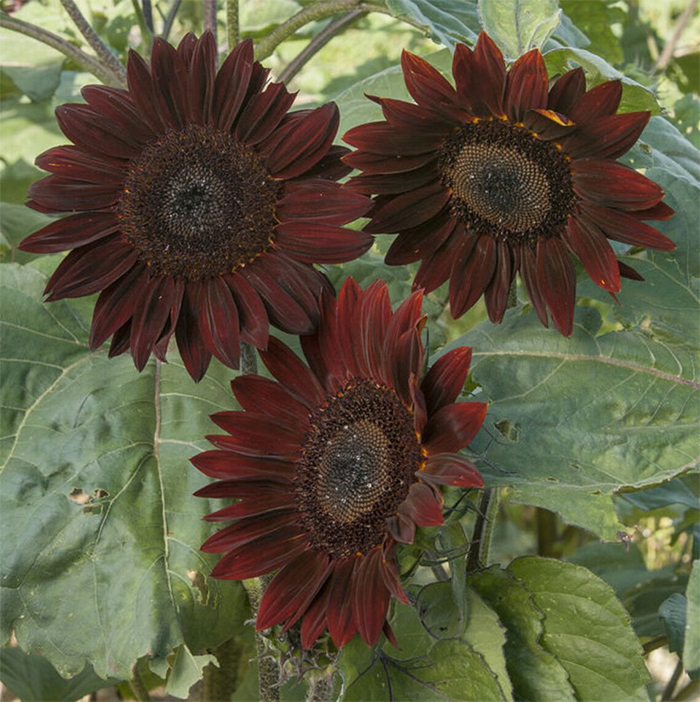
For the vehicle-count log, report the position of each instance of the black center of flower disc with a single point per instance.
(197, 203)
(506, 182)
(356, 466)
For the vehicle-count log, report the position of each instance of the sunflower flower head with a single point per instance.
(504, 173)
(197, 205)
(336, 462)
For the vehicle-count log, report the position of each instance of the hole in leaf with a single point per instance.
(79, 497)
(552, 480)
(199, 583)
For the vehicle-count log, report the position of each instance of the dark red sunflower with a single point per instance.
(198, 205)
(504, 173)
(336, 462)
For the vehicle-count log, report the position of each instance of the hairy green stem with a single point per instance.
(268, 667)
(138, 688)
(321, 686)
(318, 42)
(478, 556)
(86, 62)
(210, 16)
(104, 53)
(232, 28)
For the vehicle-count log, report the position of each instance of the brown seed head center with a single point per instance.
(197, 203)
(356, 466)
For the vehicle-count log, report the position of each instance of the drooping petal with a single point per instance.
(424, 505)
(446, 377)
(218, 320)
(195, 355)
(594, 252)
(451, 469)
(342, 624)
(453, 427)
(498, 290)
(557, 282)
(471, 273)
(370, 597)
(310, 568)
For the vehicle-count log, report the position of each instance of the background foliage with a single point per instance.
(591, 441)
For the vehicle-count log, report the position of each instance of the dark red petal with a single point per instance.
(390, 575)
(557, 282)
(401, 527)
(218, 321)
(386, 163)
(407, 115)
(451, 469)
(72, 163)
(150, 317)
(262, 114)
(408, 209)
(496, 294)
(91, 268)
(142, 92)
(302, 146)
(286, 366)
(246, 530)
(195, 355)
(116, 304)
(96, 134)
(314, 621)
(489, 77)
(119, 109)
(313, 199)
(601, 101)
(370, 597)
(254, 435)
(169, 75)
(263, 555)
(629, 272)
(436, 267)
(526, 85)
(659, 211)
(595, 253)
(70, 232)
(421, 241)
(453, 427)
(549, 125)
(200, 58)
(424, 505)
(290, 592)
(252, 315)
(567, 90)
(528, 273)
(471, 273)
(382, 139)
(226, 465)
(231, 85)
(265, 501)
(623, 227)
(56, 195)
(425, 84)
(340, 613)
(614, 184)
(331, 166)
(258, 394)
(316, 242)
(283, 308)
(395, 183)
(445, 379)
(608, 137)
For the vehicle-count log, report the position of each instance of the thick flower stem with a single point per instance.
(86, 62)
(478, 556)
(318, 42)
(109, 60)
(268, 667)
(312, 13)
(232, 26)
(210, 16)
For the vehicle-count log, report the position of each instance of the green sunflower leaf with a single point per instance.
(586, 629)
(100, 528)
(691, 646)
(422, 669)
(518, 26)
(535, 673)
(447, 22)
